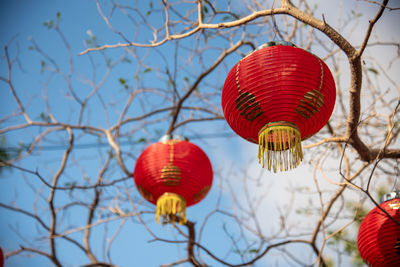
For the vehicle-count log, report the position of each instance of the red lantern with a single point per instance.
(173, 174)
(379, 236)
(1, 258)
(277, 96)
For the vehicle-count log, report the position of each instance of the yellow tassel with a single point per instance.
(279, 145)
(171, 206)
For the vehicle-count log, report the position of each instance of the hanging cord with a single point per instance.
(396, 168)
(275, 26)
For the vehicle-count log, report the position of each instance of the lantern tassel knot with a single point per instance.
(279, 146)
(171, 206)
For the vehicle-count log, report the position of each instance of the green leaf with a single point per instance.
(329, 262)
(151, 4)
(45, 117)
(42, 65)
(147, 70)
(148, 13)
(350, 247)
(373, 71)
(127, 60)
(4, 155)
(356, 14)
(186, 79)
(58, 15)
(140, 140)
(71, 184)
(205, 9)
(49, 24)
(122, 81)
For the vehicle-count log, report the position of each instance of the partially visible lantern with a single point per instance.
(1, 258)
(378, 238)
(277, 96)
(173, 174)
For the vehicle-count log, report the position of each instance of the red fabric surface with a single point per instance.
(377, 236)
(195, 167)
(278, 77)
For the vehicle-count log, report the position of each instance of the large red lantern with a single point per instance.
(277, 96)
(379, 236)
(173, 174)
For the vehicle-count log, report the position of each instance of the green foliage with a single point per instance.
(123, 82)
(357, 260)
(360, 212)
(126, 60)
(373, 70)
(51, 24)
(140, 140)
(329, 262)
(346, 238)
(48, 24)
(42, 66)
(356, 14)
(45, 117)
(92, 42)
(4, 155)
(350, 247)
(246, 252)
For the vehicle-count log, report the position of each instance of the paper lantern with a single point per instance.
(1, 258)
(277, 96)
(378, 238)
(173, 174)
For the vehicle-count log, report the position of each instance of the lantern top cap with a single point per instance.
(273, 43)
(168, 137)
(390, 196)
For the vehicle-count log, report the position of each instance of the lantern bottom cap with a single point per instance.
(279, 146)
(171, 207)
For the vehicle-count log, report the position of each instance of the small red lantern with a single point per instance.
(277, 96)
(173, 174)
(378, 238)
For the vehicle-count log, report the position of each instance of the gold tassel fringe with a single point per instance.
(171, 206)
(279, 146)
